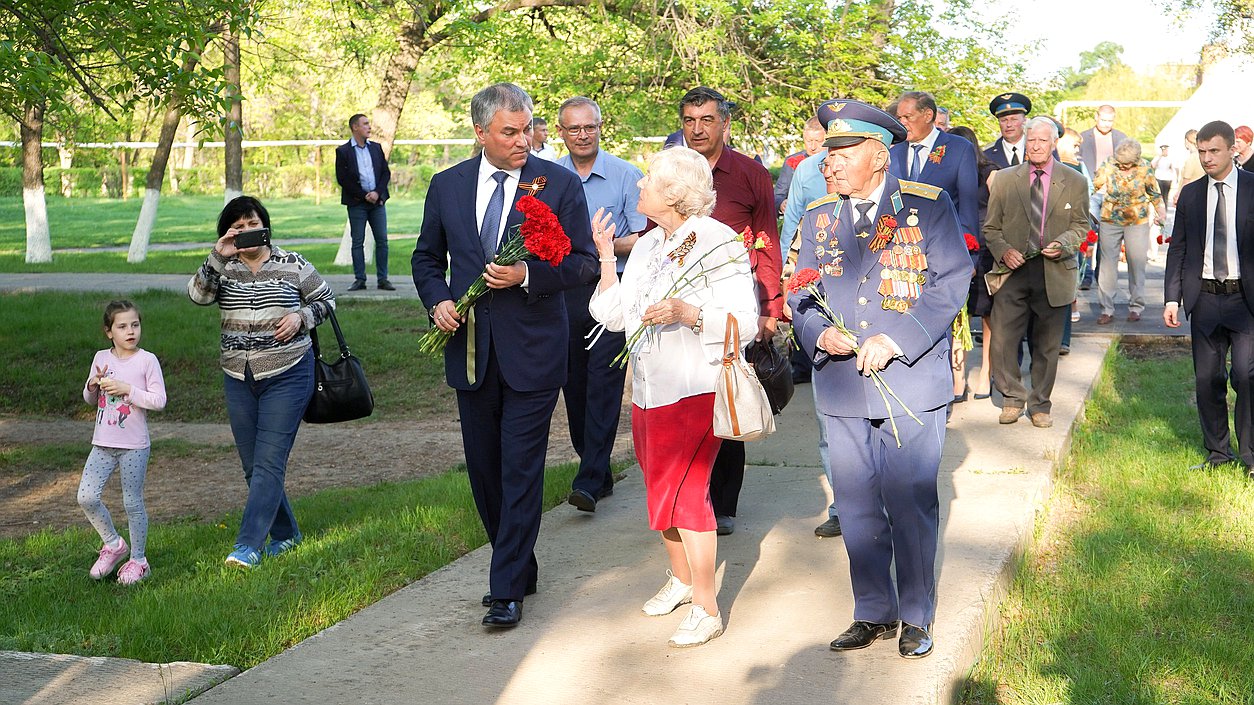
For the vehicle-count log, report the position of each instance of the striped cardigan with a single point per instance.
(252, 305)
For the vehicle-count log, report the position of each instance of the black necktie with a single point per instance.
(863, 223)
(1219, 248)
(1014, 156)
(1038, 207)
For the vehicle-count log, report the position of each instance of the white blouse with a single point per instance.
(670, 362)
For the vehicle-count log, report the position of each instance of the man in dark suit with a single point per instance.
(1097, 144)
(1210, 274)
(1037, 215)
(1011, 111)
(363, 174)
(931, 156)
(507, 358)
(895, 269)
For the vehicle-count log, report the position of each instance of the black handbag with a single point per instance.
(341, 392)
(774, 372)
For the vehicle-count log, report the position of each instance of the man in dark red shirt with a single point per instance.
(744, 200)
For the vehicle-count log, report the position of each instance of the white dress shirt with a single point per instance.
(1230, 200)
(928, 143)
(1010, 147)
(671, 362)
(483, 194)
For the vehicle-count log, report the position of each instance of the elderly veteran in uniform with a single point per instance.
(1011, 110)
(894, 267)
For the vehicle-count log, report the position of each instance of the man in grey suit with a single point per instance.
(1037, 215)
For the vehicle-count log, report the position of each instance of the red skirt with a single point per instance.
(676, 447)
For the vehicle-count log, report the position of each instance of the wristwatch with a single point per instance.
(696, 327)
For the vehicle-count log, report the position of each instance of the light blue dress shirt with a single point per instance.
(612, 185)
(365, 166)
(808, 186)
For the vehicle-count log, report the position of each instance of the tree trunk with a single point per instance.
(38, 240)
(234, 122)
(397, 79)
(152, 187)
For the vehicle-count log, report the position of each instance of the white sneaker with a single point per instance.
(697, 628)
(672, 595)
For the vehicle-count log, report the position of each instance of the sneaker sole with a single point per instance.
(677, 645)
(112, 570)
(237, 563)
(681, 603)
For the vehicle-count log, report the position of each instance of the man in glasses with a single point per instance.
(594, 387)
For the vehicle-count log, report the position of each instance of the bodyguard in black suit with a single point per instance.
(507, 359)
(1210, 274)
(364, 191)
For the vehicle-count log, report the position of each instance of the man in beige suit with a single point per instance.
(1037, 216)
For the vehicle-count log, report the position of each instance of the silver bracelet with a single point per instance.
(696, 327)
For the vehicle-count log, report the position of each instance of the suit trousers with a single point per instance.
(377, 215)
(1135, 240)
(593, 393)
(1220, 323)
(889, 512)
(505, 434)
(1021, 301)
(727, 477)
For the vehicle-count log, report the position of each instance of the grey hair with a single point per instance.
(684, 181)
(814, 125)
(577, 102)
(495, 98)
(1041, 120)
(922, 101)
(1128, 151)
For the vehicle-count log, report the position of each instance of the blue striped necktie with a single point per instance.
(492, 217)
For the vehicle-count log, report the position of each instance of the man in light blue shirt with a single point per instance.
(362, 172)
(594, 386)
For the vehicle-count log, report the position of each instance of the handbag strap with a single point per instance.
(731, 340)
(339, 336)
(731, 350)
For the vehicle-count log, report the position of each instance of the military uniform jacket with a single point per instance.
(907, 278)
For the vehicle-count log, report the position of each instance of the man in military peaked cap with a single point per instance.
(1011, 111)
(893, 267)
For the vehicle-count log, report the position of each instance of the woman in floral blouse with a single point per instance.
(1132, 201)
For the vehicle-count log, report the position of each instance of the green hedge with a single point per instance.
(263, 181)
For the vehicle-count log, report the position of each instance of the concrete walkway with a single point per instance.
(784, 593)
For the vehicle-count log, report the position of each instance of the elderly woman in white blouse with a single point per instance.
(675, 365)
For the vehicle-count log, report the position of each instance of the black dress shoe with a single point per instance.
(386, 285)
(503, 614)
(829, 528)
(608, 491)
(357, 285)
(582, 500)
(487, 598)
(862, 634)
(915, 642)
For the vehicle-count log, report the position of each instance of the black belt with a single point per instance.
(1227, 286)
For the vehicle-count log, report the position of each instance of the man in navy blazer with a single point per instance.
(895, 269)
(363, 175)
(1210, 274)
(507, 358)
(931, 156)
(1011, 110)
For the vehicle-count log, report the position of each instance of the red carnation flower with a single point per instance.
(1160, 239)
(973, 243)
(1084, 248)
(802, 279)
(1091, 237)
(541, 231)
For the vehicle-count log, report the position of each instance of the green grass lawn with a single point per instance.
(109, 222)
(360, 545)
(1141, 586)
(55, 336)
(322, 256)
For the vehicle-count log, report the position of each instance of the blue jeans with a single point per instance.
(265, 415)
(377, 215)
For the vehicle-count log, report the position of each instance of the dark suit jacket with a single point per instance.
(999, 154)
(853, 279)
(1088, 148)
(956, 173)
(1183, 279)
(527, 329)
(347, 175)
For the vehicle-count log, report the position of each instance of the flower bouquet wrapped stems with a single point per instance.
(807, 280)
(696, 272)
(540, 236)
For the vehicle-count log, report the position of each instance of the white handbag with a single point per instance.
(742, 411)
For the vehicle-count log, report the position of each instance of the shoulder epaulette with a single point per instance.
(914, 188)
(829, 198)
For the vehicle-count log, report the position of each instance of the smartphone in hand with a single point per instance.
(253, 238)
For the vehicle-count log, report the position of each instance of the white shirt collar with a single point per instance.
(1230, 181)
(928, 142)
(486, 170)
(875, 196)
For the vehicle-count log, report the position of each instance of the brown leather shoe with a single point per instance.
(1042, 420)
(1133, 317)
(1105, 319)
(1010, 414)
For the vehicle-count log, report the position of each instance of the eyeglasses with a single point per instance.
(581, 129)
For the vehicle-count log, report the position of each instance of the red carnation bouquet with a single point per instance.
(808, 280)
(973, 243)
(539, 237)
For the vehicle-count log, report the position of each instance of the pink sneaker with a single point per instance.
(109, 559)
(133, 571)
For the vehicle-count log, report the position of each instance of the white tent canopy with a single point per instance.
(1224, 95)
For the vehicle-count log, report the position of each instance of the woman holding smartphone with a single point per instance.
(270, 299)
